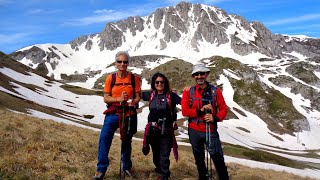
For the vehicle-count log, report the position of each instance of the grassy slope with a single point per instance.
(31, 148)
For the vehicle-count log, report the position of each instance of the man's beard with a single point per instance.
(200, 81)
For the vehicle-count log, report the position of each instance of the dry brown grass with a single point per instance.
(31, 148)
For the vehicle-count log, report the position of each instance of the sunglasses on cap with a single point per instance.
(159, 82)
(124, 62)
(199, 73)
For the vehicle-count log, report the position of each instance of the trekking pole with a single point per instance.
(129, 121)
(209, 162)
(207, 156)
(208, 140)
(122, 128)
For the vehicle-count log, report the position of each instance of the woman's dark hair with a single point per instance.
(166, 82)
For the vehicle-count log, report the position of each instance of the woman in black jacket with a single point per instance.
(159, 132)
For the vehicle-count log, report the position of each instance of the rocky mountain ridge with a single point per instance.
(210, 25)
(190, 27)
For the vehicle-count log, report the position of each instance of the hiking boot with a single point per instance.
(98, 176)
(127, 173)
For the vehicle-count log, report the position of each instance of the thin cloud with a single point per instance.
(272, 4)
(43, 11)
(13, 38)
(303, 18)
(304, 27)
(214, 1)
(104, 11)
(109, 15)
(103, 16)
(174, 2)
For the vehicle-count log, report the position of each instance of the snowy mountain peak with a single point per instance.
(187, 31)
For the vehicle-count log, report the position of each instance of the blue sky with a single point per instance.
(27, 22)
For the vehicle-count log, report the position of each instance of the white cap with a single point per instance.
(200, 68)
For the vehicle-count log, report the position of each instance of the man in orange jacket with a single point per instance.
(119, 88)
(205, 106)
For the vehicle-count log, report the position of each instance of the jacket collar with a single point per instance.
(198, 87)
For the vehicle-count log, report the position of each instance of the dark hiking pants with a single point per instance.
(198, 140)
(161, 148)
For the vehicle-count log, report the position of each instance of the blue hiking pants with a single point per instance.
(111, 123)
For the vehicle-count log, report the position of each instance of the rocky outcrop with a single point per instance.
(111, 37)
(306, 91)
(305, 72)
(315, 59)
(133, 24)
(80, 40)
(140, 61)
(35, 54)
(309, 47)
(74, 78)
(39, 56)
(42, 69)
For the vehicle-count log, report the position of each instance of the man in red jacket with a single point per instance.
(205, 106)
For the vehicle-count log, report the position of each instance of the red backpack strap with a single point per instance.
(151, 96)
(168, 97)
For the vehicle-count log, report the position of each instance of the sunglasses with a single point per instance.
(124, 62)
(159, 82)
(199, 73)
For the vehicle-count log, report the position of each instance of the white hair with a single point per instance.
(122, 53)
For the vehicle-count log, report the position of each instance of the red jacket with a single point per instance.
(191, 112)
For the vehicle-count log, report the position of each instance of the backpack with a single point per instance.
(171, 104)
(212, 100)
(132, 82)
(213, 96)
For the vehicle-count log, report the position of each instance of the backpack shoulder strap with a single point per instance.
(214, 103)
(151, 96)
(113, 80)
(133, 81)
(133, 84)
(191, 94)
(214, 94)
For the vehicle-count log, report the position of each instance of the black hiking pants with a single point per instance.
(161, 147)
(198, 140)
